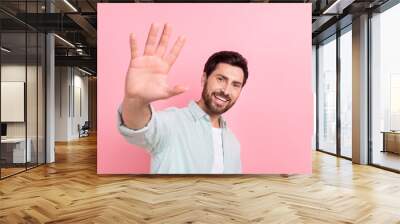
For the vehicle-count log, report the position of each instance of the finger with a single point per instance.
(176, 90)
(133, 44)
(176, 49)
(162, 46)
(151, 42)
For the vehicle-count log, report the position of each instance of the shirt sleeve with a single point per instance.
(149, 137)
(239, 168)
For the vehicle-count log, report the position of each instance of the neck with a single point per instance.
(213, 117)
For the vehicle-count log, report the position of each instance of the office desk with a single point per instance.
(15, 148)
(391, 141)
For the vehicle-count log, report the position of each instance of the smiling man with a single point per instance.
(190, 140)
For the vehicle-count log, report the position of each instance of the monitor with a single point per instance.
(3, 129)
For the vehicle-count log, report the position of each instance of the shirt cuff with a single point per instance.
(129, 131)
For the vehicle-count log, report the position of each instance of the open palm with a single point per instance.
(146, 78)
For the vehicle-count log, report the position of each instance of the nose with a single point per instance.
(226, 90)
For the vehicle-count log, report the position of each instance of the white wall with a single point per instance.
(70, 83)
(80, 84)
(62, 81)
(15, 72)
(33, 127)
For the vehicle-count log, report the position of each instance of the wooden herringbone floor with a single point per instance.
(70, 191)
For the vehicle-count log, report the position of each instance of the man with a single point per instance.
(194, 139)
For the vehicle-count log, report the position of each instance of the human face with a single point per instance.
(222, 88)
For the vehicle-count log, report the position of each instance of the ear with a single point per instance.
(203, 79)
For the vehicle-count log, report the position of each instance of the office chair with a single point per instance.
(84, 130)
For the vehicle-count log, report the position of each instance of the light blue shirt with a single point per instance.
(180, 141)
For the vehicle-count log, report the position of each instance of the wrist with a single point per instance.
(134, 101)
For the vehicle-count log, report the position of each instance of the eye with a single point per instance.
(220, 78)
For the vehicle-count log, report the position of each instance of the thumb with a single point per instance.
(178, 89)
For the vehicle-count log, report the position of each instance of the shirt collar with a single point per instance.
(198, 113)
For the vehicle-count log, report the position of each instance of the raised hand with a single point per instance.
(146, 79)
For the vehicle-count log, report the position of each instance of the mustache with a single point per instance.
(221, 94)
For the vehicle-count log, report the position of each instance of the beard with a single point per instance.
(209, 101)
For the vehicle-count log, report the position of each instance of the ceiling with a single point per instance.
(76, 22)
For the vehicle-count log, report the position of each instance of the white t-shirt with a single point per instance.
(218, 165)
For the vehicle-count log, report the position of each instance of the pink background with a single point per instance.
(273, 117)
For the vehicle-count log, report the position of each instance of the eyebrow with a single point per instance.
(226, 78)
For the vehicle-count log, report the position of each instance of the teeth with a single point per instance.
(220, 98)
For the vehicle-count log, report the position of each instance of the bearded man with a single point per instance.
(190, 140)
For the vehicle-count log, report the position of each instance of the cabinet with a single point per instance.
(391, 142)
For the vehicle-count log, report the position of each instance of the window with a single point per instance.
(385, 88)
(327, 95)
(346, 92)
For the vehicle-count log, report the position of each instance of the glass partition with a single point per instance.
(13, 104)
(22, 77)
(31, 100)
